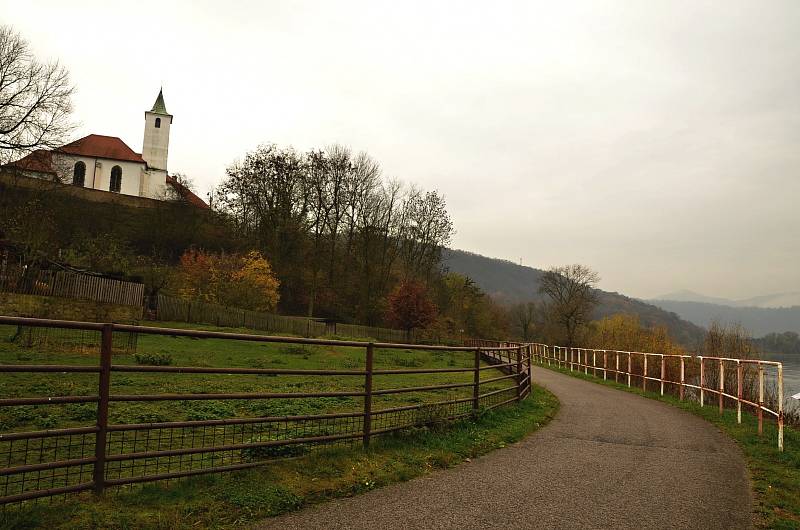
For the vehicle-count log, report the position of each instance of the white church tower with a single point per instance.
(155, 147)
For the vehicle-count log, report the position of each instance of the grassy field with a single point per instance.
(775, 475)
(181, 351)
(313, 474)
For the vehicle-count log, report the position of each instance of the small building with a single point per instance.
(107, 163)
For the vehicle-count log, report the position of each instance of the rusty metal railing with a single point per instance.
(702, 374)
(105, 454)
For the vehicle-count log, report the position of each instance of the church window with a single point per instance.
(158, 123)
(79, 174)
(116, 179)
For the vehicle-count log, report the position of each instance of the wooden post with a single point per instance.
(605, 365)
(616, 369)
(683, 371)
(530, 369)
(702, 381)
(368, 395)
(476, 383)
(104, 390)
(662, 374)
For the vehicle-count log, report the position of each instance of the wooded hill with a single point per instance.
(757, 320)
(510, 283)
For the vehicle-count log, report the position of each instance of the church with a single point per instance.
(107, 163)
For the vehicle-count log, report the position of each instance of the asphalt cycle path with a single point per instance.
(609, 459)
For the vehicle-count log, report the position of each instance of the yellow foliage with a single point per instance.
(235, 280)
(625, 332)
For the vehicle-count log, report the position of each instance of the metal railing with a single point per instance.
(739, 380)
(105, 454)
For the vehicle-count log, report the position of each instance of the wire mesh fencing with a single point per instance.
(209, 402)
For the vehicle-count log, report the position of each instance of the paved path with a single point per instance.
(609, 459)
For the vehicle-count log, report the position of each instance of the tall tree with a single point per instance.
(35, 99)
(572, 298)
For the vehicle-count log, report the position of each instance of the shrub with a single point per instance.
(153, 359)
(272, 451)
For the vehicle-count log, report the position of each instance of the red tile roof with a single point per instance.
(40, 161)
(186, 193)
(99, 146)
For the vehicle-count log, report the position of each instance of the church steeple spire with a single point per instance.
(159, 107)
(157, 122)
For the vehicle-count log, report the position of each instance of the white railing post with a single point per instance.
(721, 383)
(760, 398)
(702, 380)
(682, 376)
(738, 392)
(662, 374)
(780, 407)
(629, 369)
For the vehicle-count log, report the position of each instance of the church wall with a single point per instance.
(98, 173)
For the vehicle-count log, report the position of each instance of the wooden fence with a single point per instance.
(67, 284)
(173, 309)
(104, 453)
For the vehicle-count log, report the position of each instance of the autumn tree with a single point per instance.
(572, 298)
(410, 306)
(235, 280)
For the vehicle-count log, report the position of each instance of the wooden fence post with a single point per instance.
(530, 370)
(104, 388)
(683, 371)
(476, 383)
(368, 395)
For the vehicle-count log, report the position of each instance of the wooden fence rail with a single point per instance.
(65, 460)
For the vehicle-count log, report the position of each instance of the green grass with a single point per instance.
(180, 351)
(775, 474)
(234, 499)
(311, 475)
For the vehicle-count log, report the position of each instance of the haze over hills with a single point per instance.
(774, 313)
(776, 300)
(510, 283)
(757, 320)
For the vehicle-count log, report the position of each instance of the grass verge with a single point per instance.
(775, 475)
(233, 499)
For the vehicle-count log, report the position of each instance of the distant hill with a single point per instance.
(770, 300)
(757, 320)
(510, 283)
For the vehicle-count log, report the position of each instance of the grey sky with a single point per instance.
(658, 142)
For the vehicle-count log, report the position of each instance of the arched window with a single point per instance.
(79, 174)
(116, 179)
(158, 123)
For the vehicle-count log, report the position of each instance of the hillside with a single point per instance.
(510, 283)
(757, 320)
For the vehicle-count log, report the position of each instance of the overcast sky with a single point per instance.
(657, 142)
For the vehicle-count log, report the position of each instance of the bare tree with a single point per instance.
(572, 298)
(524, 316)
(35, 99)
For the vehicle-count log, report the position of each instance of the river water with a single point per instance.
(791, 371)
